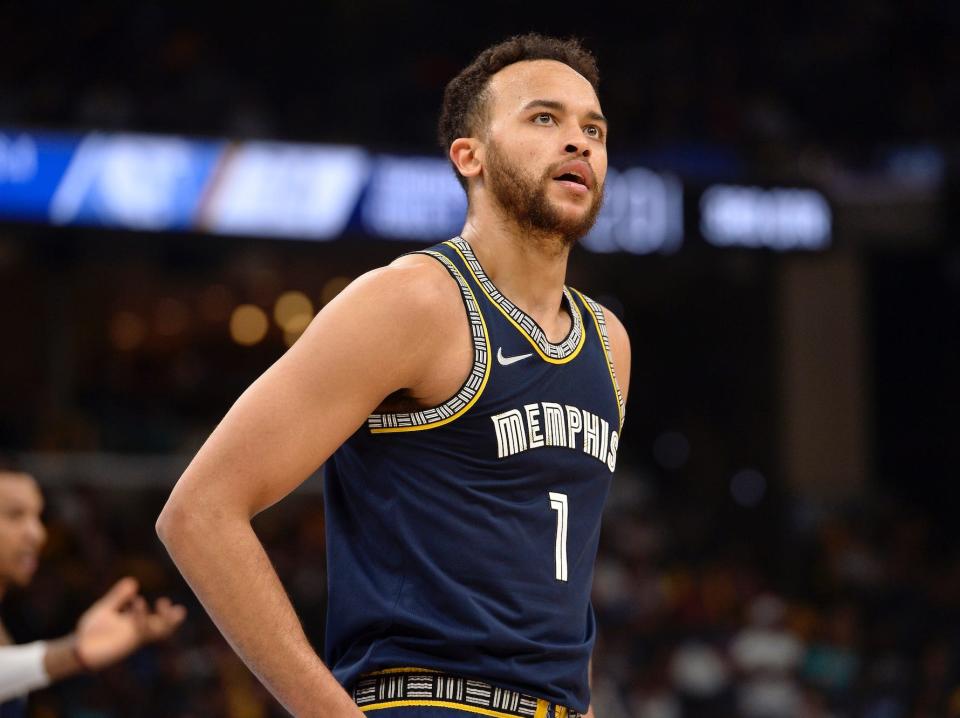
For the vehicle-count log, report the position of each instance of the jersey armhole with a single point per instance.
(596, 312)
(471, 389)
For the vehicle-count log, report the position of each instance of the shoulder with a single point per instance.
(616, 332)
(426, 278)
(619, 347)
(387, 330)
(619, 339)
(412, 286)
(408, 306)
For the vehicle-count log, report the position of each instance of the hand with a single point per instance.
(120, 622)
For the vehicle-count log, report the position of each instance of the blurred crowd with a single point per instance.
(844, 612)
(767, 606)
(827, 613)
(741, 74)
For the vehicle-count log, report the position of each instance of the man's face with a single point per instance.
(545, 155)
(21, 532)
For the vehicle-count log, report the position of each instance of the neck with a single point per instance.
(529, 268)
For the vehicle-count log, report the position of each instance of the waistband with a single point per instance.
(401, 687)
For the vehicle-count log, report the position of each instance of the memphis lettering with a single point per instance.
(548, 424)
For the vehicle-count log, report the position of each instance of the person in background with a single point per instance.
(112, 628)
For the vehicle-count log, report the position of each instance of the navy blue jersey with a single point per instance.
(462, 538)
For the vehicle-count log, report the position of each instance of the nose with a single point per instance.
(579, 149)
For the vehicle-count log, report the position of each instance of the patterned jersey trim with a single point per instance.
(597, 311)
(460, 402)
(554, 353)
(407, 688)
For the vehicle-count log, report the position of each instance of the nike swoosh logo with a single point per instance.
(507, 361)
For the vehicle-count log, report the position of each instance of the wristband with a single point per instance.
(22, 669)
(75, 650)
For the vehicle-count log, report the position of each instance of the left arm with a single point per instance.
(589, 713)
(620, 349)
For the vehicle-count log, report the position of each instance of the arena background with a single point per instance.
(781, 540)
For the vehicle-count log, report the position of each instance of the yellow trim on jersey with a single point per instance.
(541, 707)
(608, 356)
(494, 302)
(486, 368)
(436, 704)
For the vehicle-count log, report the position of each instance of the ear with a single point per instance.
(466, 153)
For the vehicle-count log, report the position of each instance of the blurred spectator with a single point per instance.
(701, 677)
(113, 627)
(724, 635)
(767, 656)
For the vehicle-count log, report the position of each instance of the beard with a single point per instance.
(525, 199)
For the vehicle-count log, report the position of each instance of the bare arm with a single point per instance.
(375, 338)
(590, 713)
(620, 348)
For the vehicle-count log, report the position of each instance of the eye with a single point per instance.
(543, 118)
(593, 131)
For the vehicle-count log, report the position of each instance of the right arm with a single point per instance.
(376, 337)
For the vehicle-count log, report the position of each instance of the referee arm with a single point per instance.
(112, 628)
(387, 331)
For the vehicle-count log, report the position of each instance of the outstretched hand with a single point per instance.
(120, 622)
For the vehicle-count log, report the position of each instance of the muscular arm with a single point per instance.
(377, 337)
(620, 349)
(590, 713)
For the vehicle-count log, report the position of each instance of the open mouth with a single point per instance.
(572, 177)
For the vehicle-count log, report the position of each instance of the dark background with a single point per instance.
(856, 538)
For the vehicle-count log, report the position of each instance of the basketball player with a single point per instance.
(469, 408)
(111, 629)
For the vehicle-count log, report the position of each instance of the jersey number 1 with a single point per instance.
(558, 502)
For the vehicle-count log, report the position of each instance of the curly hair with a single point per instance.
(466, 95)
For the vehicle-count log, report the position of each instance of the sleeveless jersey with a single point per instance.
(462, 538)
